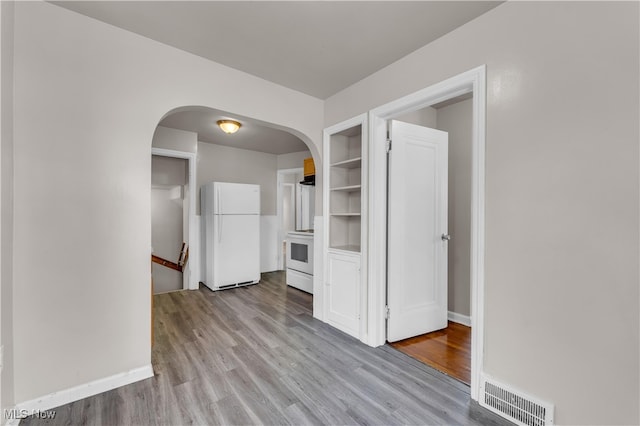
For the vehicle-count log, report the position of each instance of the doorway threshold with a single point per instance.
(447, 350)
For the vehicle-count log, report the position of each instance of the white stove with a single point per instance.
(300, 260)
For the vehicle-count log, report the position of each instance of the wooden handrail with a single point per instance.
(165, 262)
(183, 257)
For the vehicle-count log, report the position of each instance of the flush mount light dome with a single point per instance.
(229, 126)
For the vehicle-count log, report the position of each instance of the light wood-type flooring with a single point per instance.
(447, 350)
(255, 355)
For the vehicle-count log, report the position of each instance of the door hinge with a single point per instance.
(387, 312)
(388, 146)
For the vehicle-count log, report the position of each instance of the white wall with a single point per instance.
(174, 139)
(292, 160)
(97, 94)
(423, 117)
(456, 119)
(561, 299)
(6, 203)
(219, 163)
(268, 243)
(169, 171)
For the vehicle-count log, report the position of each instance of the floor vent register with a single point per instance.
(514, 405)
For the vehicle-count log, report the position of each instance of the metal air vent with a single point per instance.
(514, 405)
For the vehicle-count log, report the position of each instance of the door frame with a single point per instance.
(193, 265)
(293, 200)
(472, 81)
(280, 175)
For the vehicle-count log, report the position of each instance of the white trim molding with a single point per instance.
(472, 81)
(318, 268)
(76, 393)
(279, 191)
(193, 265)
(459, 318)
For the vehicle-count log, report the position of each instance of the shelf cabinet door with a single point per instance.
(343, 291)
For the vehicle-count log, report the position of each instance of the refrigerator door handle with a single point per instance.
(219, 216)
(218, 197)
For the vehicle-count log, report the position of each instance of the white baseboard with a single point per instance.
(459, 318)
(86, 390)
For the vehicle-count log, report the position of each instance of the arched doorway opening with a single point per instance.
(260, 153)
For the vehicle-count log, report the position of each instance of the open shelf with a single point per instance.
(344, 231)
(351, 247)
(352, 163)
(349, 188)
(345, 203)
(344, 172)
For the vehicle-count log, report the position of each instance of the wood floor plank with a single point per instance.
(255, 402)
(299, 414)
(233, 412)
(447, 350)
(256, 355)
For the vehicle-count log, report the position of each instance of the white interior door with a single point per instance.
(417, 229)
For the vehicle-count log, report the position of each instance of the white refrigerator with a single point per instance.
(231, 216)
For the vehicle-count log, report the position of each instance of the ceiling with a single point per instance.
(253, 135)
(315, 47)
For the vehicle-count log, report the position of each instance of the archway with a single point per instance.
(190, 132)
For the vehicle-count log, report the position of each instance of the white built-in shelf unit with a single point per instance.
(345, 189)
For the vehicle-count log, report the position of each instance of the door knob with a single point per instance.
(446, 237)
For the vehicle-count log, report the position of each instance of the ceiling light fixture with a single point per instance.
(229, 126)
